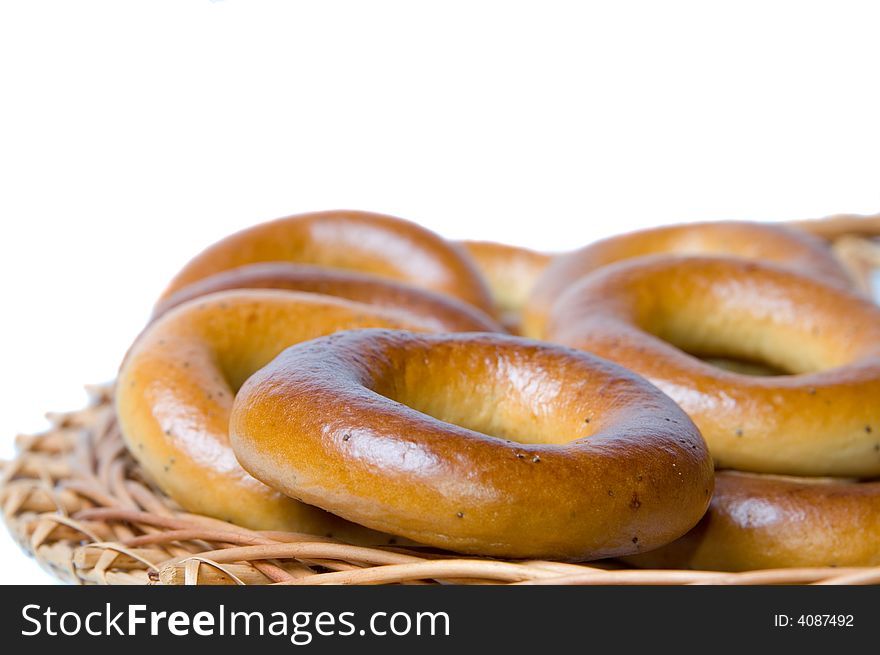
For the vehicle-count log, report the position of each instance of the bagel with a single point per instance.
(175, 391)
(433, 310)
(510, 272)
(380, 245)
(654, 315)
(784, 245)
(841, 225)
(763, 521)
(483, 444)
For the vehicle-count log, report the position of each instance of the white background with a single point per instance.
(134, 133)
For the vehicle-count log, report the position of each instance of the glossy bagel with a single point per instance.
(653, 315)
(758, 241)
(485, 444)
(511, 273)
(762, 521)
(433, 310)
(176, 387)
(834, 227)
(379, 245)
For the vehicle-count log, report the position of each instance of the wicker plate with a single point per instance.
(76, 501)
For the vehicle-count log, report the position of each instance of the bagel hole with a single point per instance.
(517, 399)
(736, 346)
(743, 366)
(712, 310)
(492, 420)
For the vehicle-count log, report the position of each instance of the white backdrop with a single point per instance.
(134, 133)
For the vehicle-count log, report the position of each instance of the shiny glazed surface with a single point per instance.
(481, 443)
(764, 521)
(176, 388)
(511, 273)
(434, 310)
(781, 244)
(353, 240)
(653, 315)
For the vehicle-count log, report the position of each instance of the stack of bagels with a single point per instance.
(693, 396)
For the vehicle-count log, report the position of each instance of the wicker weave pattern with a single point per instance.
(75, 500)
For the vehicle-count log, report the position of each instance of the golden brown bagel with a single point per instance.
(485, 444)
(360, 241)
(759, 241)
(764, 521)
(433, 310)
(511, 273)
(834, 227)
(653, 315)
(175, 393)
